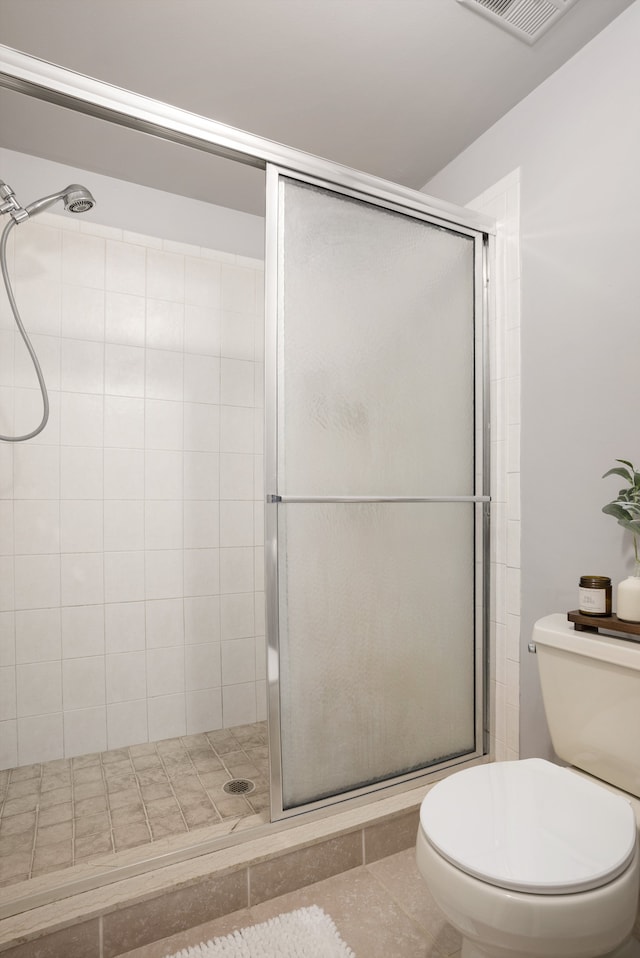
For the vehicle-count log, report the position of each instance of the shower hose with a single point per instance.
(27, 341)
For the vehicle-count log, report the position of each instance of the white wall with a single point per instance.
(139, 209)
(576, 141)
(131, 528)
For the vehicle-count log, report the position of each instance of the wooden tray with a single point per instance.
(593, 623)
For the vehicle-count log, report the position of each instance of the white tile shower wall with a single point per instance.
(131, 528)
(502, 201)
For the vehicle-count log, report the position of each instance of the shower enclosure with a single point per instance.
(375, 491)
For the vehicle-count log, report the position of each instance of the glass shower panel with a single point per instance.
(376, 642)
(376, 371)
(375, 505)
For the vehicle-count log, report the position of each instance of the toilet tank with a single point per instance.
(591, 693)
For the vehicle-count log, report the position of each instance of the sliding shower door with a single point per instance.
(376, 505)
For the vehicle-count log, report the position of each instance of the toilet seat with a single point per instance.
(530, 826)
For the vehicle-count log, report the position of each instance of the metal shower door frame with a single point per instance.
(483, 252)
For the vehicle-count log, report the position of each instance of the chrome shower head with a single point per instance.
(76, 198)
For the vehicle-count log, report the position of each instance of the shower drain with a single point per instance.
(238, 786)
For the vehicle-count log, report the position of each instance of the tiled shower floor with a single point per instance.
(60, 813)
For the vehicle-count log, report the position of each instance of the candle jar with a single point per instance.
(595, 595)
(628, 598)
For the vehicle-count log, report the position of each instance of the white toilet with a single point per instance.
(528, 859)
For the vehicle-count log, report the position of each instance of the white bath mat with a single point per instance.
(306, 933)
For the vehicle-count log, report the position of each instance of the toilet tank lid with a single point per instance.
(557, 632)
(530, 826)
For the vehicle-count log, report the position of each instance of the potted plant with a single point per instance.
(626, 509)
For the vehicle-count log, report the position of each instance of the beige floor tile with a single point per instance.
(234, 757)
(249, 735)
(156, 791)
(29, 786)
(53, 834)
(131, 836)
(25, 772)
(146, 760)
(4, 882)
(259, 802)
(87, 773)
(115, 756)
(16, 824)
(124, 798)
(91, 824)
(243, 769)
(152, 776)
(120, 781)
(89, 846)
(55, 780)
(89, 806)
(50, 857)
(231, 806)
(200, 748)
(222, 741)
(17, 863)
(400, 877)
(19, 842)
(19, 805)
(215, 779)
(179, 771)
(186, 786)
(368, 919)
(145, 748)
(88, 792)
(208, 763)
(55, 796)
(128, 815)
(54, 814)
(83, 761)
(167, 823)
(198, 814)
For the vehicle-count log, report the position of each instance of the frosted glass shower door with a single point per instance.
(375, 518)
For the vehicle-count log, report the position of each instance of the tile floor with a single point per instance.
(56, 814)
(382, 910)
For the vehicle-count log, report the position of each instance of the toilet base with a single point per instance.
(495, 923)
(631, 949)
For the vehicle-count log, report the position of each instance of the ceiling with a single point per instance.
(396, 88)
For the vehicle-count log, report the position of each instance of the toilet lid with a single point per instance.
(530, 826)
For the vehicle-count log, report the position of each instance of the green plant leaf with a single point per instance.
(617, 511)
(618, 471)
(626, 507)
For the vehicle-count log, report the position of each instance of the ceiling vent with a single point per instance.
(525, 19)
